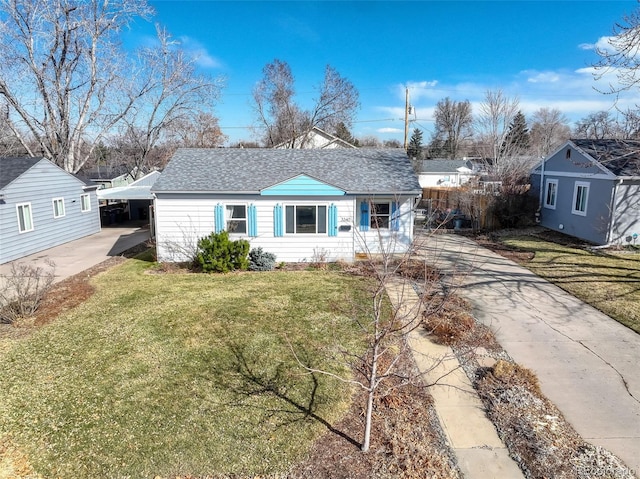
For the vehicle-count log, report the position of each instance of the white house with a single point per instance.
(315, 138)
(298, 204)
(444, 173)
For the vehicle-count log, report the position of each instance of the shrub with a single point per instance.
(24, 290)
(216, 253)
(260, 260)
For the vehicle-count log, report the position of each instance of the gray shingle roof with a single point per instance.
(233, 170)
(621, 157)
(444, 165)
(12, 167)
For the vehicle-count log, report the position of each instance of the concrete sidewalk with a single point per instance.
(586, 362)
(76, 256)
(480, 453)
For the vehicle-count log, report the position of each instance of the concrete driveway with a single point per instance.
(76, 256)
(587, 363)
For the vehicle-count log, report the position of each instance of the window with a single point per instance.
(25, 220)
(305, 219)
(58, 207)
(85, 203)
(236, 219)
(580, 198)
(380, 215)
(551, 194)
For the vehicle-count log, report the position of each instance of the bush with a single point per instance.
(260, 260)
(24, 290)
(216, 253)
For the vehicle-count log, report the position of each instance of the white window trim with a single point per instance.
(316, 205)
(227, 218)
(576, 187)
(551, 206)
(20, 206)
(88, 197)
(53, 202)
(371, 214)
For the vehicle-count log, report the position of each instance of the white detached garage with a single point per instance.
(298, 204)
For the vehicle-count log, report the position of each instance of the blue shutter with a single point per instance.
(364, 216)
(333, 220)
(252, 220)
(219, 219)
(395, 216)
(277, 220)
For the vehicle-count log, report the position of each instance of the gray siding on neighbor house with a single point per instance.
(39, 186)
(576, 164)
(594, 225)
(627, 214)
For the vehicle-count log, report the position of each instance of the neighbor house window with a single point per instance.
(580, 198)
(58, 207)
(301, 219)
(25, 219)
(551, 194)
(85, 203)
(236, 219)
(380, 215)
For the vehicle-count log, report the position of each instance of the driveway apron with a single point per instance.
(587, 363)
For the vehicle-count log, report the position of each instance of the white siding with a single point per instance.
(38, 186)
(182, 219)
(387, 241)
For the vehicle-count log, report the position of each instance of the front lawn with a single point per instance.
(609, 281)
(179, 374)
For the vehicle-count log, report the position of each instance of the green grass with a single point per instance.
(608, 281)
(175, 374)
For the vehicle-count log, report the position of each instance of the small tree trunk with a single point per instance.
(370, 396)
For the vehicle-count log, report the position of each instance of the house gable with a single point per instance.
(571, 161)
(302, 185)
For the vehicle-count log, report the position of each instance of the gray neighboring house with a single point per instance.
(42, 206)
(300, 204)
(590, 189)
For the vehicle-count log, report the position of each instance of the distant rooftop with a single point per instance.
(621, 157)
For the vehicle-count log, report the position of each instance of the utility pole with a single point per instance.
(406, 117)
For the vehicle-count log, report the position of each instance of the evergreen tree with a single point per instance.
(414, 150)
(518, 139)
(343, 133)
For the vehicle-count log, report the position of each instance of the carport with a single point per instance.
(131, 202)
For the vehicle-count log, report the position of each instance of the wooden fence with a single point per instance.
(449, 204)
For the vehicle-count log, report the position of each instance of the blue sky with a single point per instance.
(539, 51)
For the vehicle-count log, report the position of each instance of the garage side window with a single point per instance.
(580, 198)
(85, 203)
(25, 218)
(551, 194)
(58, 207)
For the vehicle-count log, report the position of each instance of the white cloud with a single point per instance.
(199, 53)
(603, 44)
(542, 77)
(389, 130)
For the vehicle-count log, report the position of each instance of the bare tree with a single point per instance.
(497, 112)
(620, 56)
(395, 311)
(549, 129)
(175, 98)
(283, 120)
(453, 122)
(62, 74)
(597, 126)
(202, 130)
